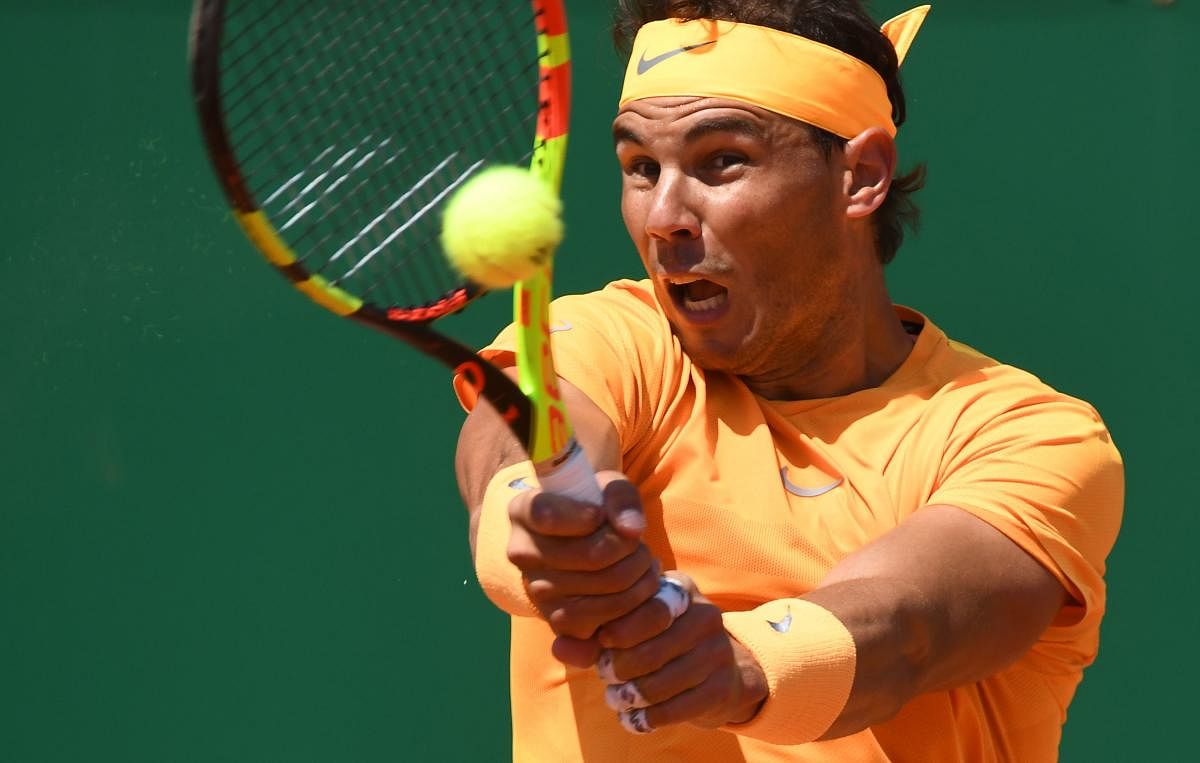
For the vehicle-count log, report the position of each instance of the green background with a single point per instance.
(228, 526)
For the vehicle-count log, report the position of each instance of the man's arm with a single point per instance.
(486, 445)
(942, 600)
(577, 566)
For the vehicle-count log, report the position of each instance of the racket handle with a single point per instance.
(573, 478)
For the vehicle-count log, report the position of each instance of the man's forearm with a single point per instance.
(942, 600)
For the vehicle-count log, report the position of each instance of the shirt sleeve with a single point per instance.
(1045, 472)
(614, 345)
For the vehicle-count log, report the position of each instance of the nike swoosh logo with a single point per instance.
(646, 64)
(561, 326)
(784, 625)
(806, 492)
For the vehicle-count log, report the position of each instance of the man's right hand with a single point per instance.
(583, 565)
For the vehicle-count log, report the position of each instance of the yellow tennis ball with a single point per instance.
(501, 226)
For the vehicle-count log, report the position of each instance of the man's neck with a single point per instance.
(862, 354)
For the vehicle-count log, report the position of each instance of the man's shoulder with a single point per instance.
(982, 389)
(623, 307)
(626, 296)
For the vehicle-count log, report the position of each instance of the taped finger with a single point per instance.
(604, 668)
(624, 696)
(674, 596)
(635, 721)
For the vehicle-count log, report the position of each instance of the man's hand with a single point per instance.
(689, 670)
(583, 565)
(594, 581)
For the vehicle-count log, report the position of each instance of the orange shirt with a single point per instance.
(758, 499)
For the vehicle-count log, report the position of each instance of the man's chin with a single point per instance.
(709, 354)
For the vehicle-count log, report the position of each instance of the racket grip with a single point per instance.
(573, 478)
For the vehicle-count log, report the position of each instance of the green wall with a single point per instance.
(213, 548)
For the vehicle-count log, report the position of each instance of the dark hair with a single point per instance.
(842, 24)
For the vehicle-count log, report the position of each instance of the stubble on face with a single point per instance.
(770, 228)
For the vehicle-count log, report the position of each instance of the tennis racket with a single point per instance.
(338, 130)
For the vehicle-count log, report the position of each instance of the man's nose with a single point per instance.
(672, 215)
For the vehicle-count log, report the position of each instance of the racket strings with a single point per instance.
(322, 95)
(353, 122)
(479, 123)
(373, 237)
(425, 192)
(251, 113)
(376, 232)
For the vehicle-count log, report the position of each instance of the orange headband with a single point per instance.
(781, 72)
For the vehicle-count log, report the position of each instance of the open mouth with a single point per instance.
(699, 299)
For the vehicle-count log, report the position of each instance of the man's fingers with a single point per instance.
(591, 553)
(677, 676)
(622, 504)
(557, 515)
(695, 705)
(689, 672)
(554, 515)
(578, 611)
(673, 595)
(578, 653)
(700, 622)
(581, 616)
(670, 602)
(626, 696)
(614, 579)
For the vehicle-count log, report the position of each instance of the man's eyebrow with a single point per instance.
(736, 125)
(625, 135)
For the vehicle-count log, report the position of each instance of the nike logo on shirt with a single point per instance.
(806, 492)
(646, 64)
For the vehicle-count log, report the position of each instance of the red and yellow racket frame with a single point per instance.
(533, 408)
(552, 435)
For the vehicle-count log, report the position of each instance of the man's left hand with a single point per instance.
(693, 671)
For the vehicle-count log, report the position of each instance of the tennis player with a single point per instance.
(830, 532)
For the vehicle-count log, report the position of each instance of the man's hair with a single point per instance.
(841, 24)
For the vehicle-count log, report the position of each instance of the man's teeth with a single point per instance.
(698, 295)
(700, 305)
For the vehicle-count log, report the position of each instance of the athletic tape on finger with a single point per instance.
(674, 595)
(635, 721)
(624, 696)
(604, 668)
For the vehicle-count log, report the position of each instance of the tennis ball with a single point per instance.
(501, 226)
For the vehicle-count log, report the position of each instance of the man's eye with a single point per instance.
(725, 161)
(644, 168)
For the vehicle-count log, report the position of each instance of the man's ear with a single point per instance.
(870, 160)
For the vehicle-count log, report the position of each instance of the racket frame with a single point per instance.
(532, 407)
(552, 439)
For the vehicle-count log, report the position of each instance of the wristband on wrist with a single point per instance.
(501, 579)
(808, 657)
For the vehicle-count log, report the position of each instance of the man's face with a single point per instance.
(740, 221)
